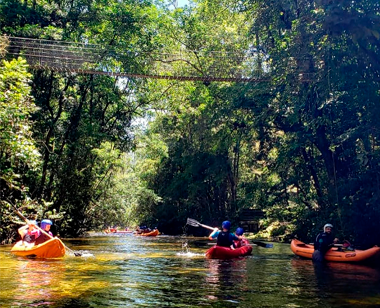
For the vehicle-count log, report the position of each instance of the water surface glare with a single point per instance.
(130, 271)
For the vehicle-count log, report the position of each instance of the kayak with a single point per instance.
(152, 233)
(305, 250)
(119, 232)
(219, 252)
(52, 248)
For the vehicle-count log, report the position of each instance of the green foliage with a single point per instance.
(17, 146)
(82, 122)
(18, 153)
(302, 146)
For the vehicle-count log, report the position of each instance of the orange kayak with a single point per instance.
(219, 252)
(152, 233)
(305, 250)
(52, 248)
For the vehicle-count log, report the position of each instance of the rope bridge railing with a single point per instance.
(236, 66)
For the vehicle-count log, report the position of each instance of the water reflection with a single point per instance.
(339, 284)
(36, 280)
(225, 278)
(165, 272)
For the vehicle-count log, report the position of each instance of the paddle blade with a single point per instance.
(193, 222)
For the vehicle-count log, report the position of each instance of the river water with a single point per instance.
(131, 271)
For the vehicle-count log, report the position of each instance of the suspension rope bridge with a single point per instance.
(185, 65)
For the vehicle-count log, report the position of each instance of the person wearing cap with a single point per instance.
(47, 235)
(29, 233)
(224, 238)
(242, 241)
(323, 242)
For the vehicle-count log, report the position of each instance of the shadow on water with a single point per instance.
(128, 271)
(340, 284)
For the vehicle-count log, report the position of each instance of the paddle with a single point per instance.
(334, 245)
(77, 254)
(195, 223)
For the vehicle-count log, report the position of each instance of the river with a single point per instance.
(131, 271)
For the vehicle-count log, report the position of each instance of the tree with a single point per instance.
(19, 157)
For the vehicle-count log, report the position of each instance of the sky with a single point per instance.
(182, 3)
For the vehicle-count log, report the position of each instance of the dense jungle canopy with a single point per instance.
(89, 151)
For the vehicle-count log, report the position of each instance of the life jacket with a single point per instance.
(240, 243)
(30, 237)
(43, 237)
(224, 239)
(323, 242)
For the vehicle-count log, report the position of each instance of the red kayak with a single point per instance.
(219, 252)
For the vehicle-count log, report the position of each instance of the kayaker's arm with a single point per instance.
(21, 230)
(211, 236)
(334, 243)
(235, 238)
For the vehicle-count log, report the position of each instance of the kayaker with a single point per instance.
(243, 241)
(323, 242)
(45, 225)
(224, 238)
(346, 246)
(146, 229)
(29, 233)
(143, 229)
(137, 230)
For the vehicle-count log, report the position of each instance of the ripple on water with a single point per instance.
(162, 272)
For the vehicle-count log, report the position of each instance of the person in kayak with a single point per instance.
(29, 233)
(142, 229)
(241, 242)
(224, 238)
(323, 242)
(45, 225)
